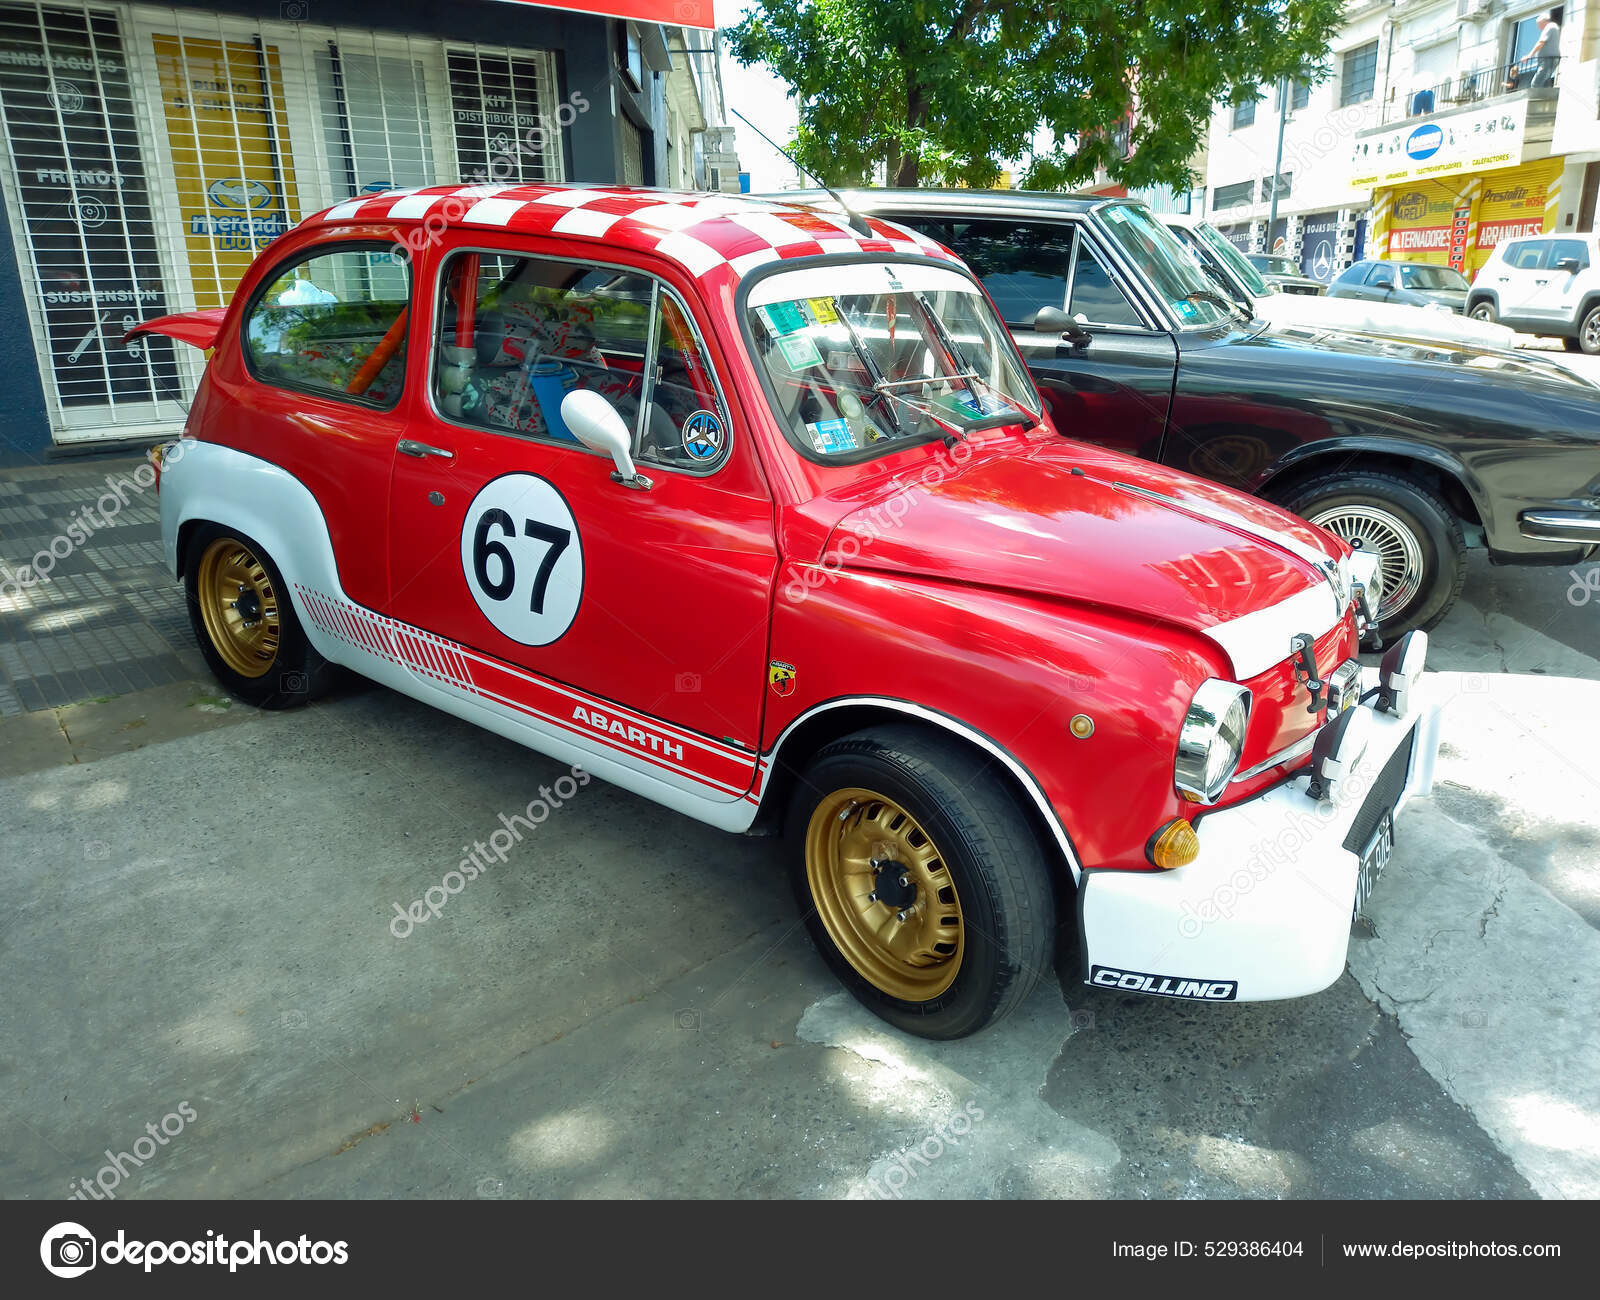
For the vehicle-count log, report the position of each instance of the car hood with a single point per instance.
(1071, 522)
(1396, 320)
(1386, 347)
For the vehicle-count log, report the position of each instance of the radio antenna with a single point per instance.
(857, 222)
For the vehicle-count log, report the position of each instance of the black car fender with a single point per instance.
(1461, 488)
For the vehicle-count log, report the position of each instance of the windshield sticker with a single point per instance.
(822, 311)
(702, 436)
(782, 318)
(799, 351)
(831, 435)
(1186, 309)
(970, 404)
(838, 361)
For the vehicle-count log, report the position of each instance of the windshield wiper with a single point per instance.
(1207, 295)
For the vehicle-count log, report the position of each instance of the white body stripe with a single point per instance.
(1258, 640)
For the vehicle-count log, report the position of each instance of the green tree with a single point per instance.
(943, 91)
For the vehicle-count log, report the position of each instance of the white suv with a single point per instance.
(1549, 285)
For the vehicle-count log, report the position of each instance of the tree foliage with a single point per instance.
(943, 91)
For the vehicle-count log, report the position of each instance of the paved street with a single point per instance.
(199, 927)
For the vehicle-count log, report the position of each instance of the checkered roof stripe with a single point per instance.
(704, 233)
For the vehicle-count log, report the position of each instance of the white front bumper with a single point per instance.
(1265, 910)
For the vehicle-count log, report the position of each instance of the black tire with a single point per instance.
(1434, 529)
(296, 674)
(1572, 345)
(1484, 311)
(1589, 332)
(1000, 871)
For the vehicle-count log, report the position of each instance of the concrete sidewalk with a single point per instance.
(87, 609)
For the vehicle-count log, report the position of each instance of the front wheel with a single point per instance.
(1484, 311)
(245, 624)
(1588, 341)
(924, 885)
(1421, 551)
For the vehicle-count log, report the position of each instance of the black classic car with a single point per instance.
(1413, 449)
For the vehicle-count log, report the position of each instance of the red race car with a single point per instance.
(752, 509)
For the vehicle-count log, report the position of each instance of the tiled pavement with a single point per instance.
(108, 618)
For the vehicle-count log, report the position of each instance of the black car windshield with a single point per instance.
(865, 356)
(1231, 258)
(1423, 276)
(1171, 270)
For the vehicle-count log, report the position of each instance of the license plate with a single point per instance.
(1374, 858)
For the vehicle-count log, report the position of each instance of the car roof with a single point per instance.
(1013, 203)
(707, 234)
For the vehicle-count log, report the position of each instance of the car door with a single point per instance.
(633, 616)
(1557, 290)
(1516, 278)
(1112, 387)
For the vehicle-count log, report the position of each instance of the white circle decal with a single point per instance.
(522, 559)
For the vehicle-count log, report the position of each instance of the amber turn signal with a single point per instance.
(1174, 845)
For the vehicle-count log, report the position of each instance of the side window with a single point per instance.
(1024, 267)
(334, 323)
(517, 334)
(1381, 276)
(1526, 256)
(1095, 295)
(1573, 248)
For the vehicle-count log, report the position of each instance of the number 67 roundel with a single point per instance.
(522, 559)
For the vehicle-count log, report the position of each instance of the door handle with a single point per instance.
(422, 450)
(1545, 281)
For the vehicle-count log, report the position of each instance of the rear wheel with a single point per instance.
(924, 885)
(1419, 544)
(245, 624)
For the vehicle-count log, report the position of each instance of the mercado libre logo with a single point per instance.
(239, 195)
(1424, 142)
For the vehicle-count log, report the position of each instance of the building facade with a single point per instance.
(152, 151)
(1432, 136)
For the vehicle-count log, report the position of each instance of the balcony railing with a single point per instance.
(1473, 87)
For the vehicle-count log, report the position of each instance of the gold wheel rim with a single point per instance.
(239, 605)
(859, 844)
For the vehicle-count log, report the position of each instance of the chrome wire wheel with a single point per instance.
(239, 605)
(1386, 535)
(884, 894)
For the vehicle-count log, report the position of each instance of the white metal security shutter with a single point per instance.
(507, 123)
(79, 204)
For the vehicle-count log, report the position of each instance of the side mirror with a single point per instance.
(1568, 264)
(1052, 320)
(594, 422)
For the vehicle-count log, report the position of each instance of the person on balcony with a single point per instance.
(1538, 67)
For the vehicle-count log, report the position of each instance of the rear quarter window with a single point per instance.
(333, 322)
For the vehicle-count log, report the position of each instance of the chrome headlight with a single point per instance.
(1367, 576)
(1211, 740)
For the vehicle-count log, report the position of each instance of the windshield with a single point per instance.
(1166, 264)
(1431, 277)
(1276, 265)
(1232, 258)
(865, 357)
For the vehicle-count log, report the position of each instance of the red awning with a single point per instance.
(674, 13)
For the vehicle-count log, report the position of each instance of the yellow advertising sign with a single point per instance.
(1459, 221)
(223, 102)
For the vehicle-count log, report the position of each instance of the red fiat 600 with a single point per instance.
(751, 509)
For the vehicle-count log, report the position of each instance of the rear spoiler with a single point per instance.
(199, 328)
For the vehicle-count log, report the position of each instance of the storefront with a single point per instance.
(1449, 190)
(153, 151)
